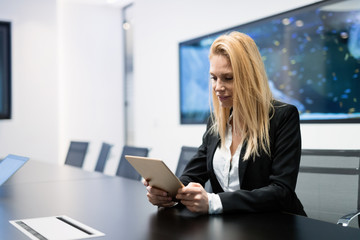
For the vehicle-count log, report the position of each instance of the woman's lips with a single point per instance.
(223, 98)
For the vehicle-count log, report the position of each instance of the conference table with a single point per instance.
(118, 207)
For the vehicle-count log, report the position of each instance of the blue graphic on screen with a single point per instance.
(311, 56)
(1, 70)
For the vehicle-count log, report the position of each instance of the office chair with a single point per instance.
(329, 185)
(103, 156)
(125, 169)
(76, 153)
(185, 156)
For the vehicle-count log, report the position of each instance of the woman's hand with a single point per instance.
(194, 197)
(158, 197)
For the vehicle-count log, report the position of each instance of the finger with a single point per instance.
(156, 191)
(184, 196)
(146, 181)
(193, 184)
(163, 202)
(190, 190)
(156, 198)
(189, 197)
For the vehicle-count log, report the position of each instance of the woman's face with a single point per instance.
(221, 76)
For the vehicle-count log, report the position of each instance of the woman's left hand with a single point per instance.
(194, 197)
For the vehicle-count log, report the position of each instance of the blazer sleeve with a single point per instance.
(270, 185)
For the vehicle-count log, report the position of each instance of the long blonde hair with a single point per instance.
(252, 98)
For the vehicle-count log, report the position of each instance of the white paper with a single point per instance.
(54, 228)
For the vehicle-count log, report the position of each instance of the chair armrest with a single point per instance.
(345, 220)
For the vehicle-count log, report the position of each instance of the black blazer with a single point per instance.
(266, 183)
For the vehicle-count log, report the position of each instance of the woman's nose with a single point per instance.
(219, 86)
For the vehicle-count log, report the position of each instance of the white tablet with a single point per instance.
(156, 173)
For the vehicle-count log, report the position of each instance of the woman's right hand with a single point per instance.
(158, 197)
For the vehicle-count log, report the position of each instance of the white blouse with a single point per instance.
(226, 171)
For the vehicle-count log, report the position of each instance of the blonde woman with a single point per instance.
(251, 148)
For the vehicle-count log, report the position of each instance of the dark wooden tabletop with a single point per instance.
(119, 208)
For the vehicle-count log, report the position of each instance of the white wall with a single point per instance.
(67, 79)
(32, 131)
(160, 26)
(91, 86)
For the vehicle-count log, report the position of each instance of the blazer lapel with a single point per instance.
(214, 143)
(211, 152)
(242, 164)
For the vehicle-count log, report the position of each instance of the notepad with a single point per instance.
(9, 166)
(55, 227)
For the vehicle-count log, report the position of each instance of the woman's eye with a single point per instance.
(213, 78)
(229, 78)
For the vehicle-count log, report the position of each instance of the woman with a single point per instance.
(252, 145)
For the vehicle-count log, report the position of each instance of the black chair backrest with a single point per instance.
(186, 154)
(76, 153)
(125, 169)
(103, 156)
(329, 183)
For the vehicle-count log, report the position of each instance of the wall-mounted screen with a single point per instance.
(5, 70)
(311, 56)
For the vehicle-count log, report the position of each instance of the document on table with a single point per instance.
(55, 227)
